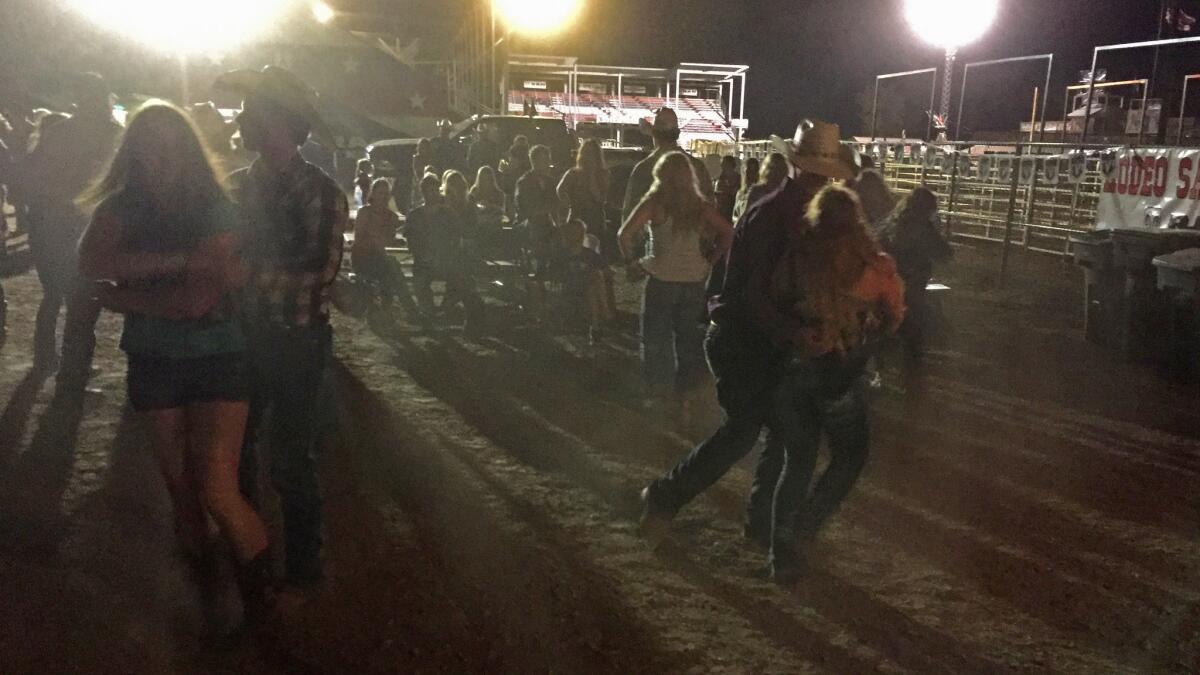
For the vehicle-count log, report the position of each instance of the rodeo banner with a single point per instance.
(1149, 189)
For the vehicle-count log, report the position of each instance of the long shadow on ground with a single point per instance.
(496, 399)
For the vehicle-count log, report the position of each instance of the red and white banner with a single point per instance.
(1149, 189)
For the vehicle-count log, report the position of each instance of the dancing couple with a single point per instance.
(807, 293)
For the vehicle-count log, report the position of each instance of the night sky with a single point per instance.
(814, 57)
(807, 58)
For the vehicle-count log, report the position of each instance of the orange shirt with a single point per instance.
(880, 283)
(878, 296)
(879, 287)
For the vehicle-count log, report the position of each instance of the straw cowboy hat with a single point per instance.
(665, 120)
(817, 148)
(282, 88)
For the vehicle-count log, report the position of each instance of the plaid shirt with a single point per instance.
(293, 243)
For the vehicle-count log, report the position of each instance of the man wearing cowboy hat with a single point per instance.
(665, 134)
(295, 216)
(740, 346)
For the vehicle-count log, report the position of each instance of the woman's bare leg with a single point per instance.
(168, 432)
(215, 440)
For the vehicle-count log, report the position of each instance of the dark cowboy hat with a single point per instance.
(282, 88)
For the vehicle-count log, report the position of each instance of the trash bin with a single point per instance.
(1141, 334)
(1179, 281)
(1103, 286)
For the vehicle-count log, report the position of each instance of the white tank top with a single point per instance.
(674, 254)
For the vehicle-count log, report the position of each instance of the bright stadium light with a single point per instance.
(537, 17)
(950, 24)
(322, 12)
(184, 27)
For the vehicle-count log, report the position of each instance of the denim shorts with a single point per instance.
(157, 383)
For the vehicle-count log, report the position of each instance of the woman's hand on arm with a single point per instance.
(633, 229)
(99, 246)
(102, 257)
(213, 270)
(564, 187)
(722, 231)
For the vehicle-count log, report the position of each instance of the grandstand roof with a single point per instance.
(564, 64)
(709, 98)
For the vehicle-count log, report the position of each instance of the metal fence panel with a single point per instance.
(976, 207)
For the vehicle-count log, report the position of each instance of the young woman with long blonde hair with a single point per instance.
(685, 236)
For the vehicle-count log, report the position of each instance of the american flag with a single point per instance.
(1180, 16)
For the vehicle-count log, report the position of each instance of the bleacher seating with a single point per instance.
(698, 117)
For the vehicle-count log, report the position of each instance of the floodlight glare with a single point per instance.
(537, 17)
(184, 26)
(950, 24)
(322, 12)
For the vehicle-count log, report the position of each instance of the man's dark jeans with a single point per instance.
(57, 269)
(45, 338)
(79, 339)
(287, 373)
(806, 406)
(746, 367)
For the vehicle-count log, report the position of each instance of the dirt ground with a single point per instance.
(1029, 506)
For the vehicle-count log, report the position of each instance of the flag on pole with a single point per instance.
(1179, 18)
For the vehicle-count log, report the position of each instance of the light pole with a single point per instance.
(950, 24)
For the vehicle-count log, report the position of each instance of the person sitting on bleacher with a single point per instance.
(374, 230)
(587, 281)
(486, 192)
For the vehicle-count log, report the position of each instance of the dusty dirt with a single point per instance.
(1029, 505)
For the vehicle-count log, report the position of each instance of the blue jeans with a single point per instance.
(805, 406)
(673, 335)
(287, 375)
(745, 365)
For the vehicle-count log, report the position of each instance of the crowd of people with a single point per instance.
(226, 285)
(800, 298)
